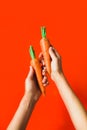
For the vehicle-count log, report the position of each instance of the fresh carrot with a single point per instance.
(37, 67)
(45, 44)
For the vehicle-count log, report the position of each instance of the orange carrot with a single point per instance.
(36, 65)
(45, 44)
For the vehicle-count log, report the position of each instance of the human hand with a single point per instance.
(56, 64)
(31, 84)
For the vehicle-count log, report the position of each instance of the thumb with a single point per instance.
(52, 53)
(31, 73)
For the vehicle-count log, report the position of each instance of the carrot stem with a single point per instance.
(43, 32)
(32, 53)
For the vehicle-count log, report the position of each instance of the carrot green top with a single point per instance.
(43, 32)
(32, 53)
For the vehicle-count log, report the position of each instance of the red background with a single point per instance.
(20, 23)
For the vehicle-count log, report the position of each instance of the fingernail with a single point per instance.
(43, 73)
(51, 48)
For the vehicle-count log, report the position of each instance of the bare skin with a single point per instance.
(75, 109)
(26, 106)
(32, 94)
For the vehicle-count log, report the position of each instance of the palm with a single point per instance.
(31, 84)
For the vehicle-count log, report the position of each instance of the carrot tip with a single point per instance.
(44, 93)
(43, 32)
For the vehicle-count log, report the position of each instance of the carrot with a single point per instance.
(37, 67)
(45, 44)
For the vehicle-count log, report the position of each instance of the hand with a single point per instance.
(31, 84)
(56, 64)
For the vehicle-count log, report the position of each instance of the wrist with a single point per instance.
(27, 101)
(59, 78)
(56, 75)
(29, 96)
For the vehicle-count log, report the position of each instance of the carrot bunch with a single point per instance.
(37, 67)
(45, 44)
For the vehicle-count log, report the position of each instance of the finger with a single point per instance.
(56, 52)
(31, 73)
(52, 53)
(43, 63)
(43, 72)
(44, 69)
(44, 80)
(45, 84)
(41, 56)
